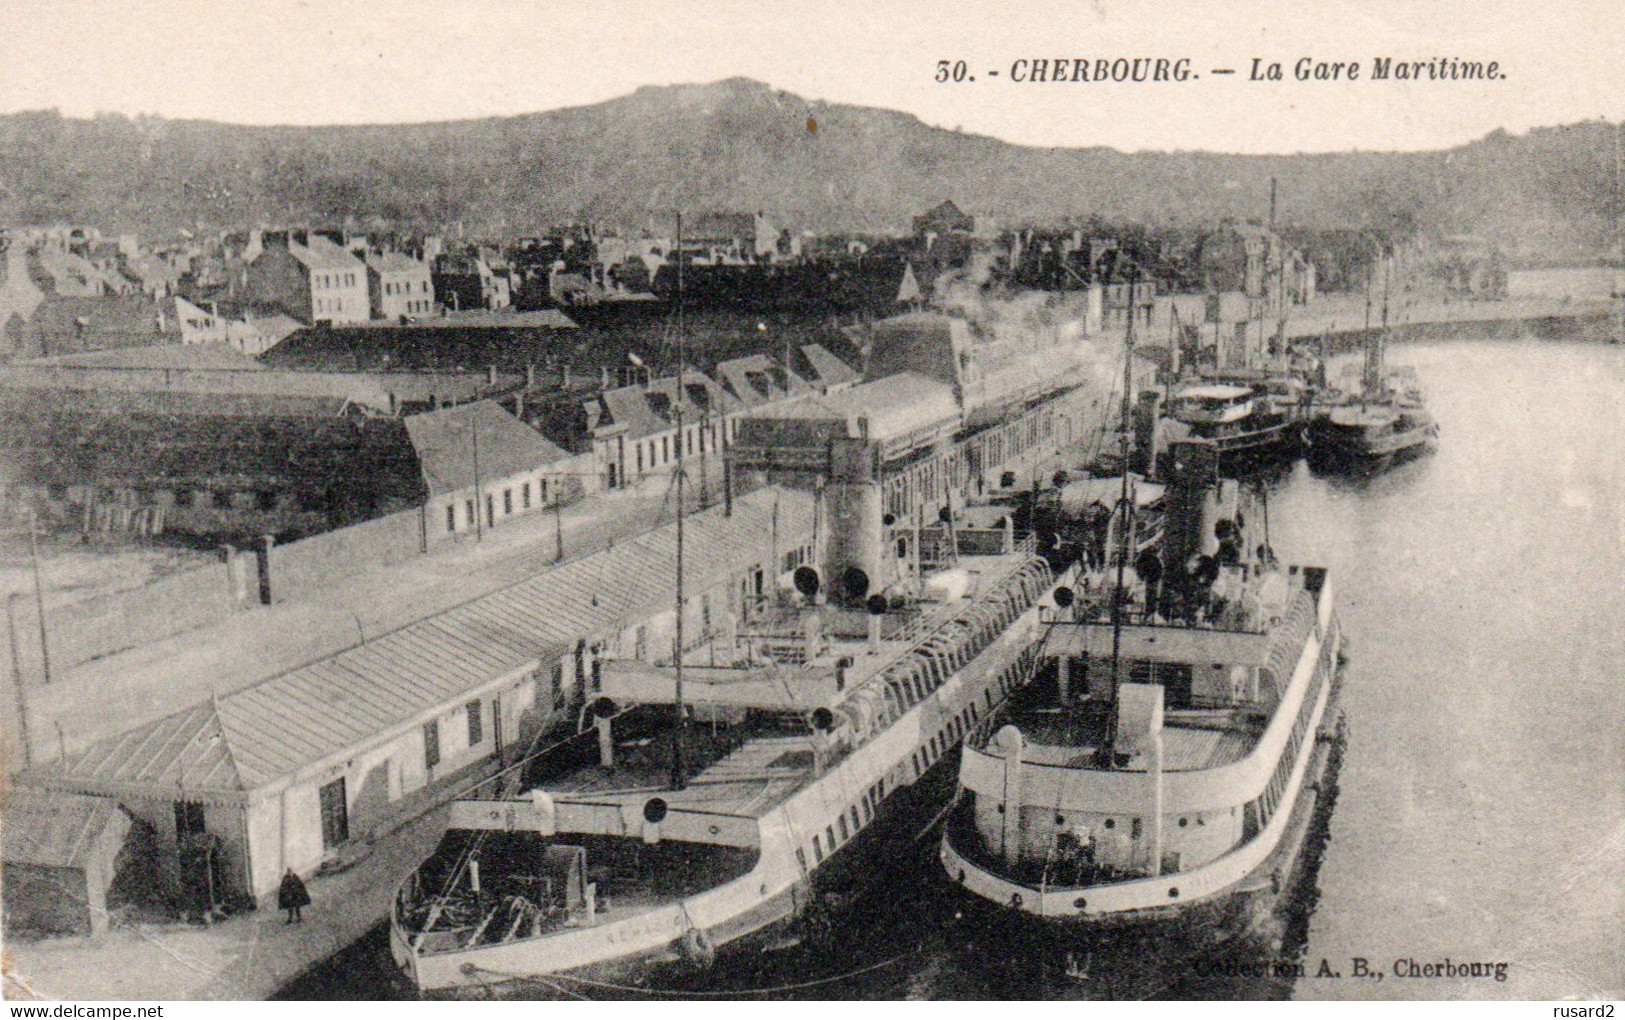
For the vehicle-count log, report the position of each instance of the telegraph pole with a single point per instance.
(679, 779)
(17, 675)
(39, 593)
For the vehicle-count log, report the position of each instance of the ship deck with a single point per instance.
(1191, 741)
(727, 773)
(746, 770)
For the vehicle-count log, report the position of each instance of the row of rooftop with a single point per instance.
(251, 288)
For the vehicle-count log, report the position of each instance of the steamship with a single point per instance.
(1182, 738)
(1379, 423)
(1262, 417)
(812, 732)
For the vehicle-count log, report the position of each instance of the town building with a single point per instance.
(221, 467)
(472, 279)
(66, 274)
(484, 468)
(309, 277)
(252, 331)
(940, 223)
(62, 325)
(733, 237)
(398, 287)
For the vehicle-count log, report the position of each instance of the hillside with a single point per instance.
(740, 144)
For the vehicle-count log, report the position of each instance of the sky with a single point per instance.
(371, 61)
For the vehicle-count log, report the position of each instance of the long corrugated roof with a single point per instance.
(186, 751)
(263, 734)
(53, 828)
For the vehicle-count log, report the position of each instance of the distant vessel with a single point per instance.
(1261, 418)
(1170, 760)
(1387, 418)
(1374, 429)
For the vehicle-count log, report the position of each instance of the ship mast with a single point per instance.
(679, 778)
(1125, 532)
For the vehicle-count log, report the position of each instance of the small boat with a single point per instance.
(1182, 736)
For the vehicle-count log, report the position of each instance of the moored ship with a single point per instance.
(1262, 419)
(1372, 431)
(1181, 740)
(803, 736)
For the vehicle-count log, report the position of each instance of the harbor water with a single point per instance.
(1481, 818)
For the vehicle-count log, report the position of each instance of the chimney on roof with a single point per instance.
(604, 379)
(490, 375)
(566, 374)
(530, 376)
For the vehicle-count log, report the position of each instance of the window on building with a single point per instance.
(476, 723)
(471, 511)
(829, 833)
(335, 815)
(665, 449)
(846, 833)
(524, 496)
(431, 743)
(507, 501)
(818, 850)
(640, 457)
(451, 517)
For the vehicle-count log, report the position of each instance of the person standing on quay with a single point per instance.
(292, 896)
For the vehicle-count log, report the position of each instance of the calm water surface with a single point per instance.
(1482, 813)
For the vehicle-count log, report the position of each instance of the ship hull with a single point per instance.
(1333, 443)
(807, 913)
(1276, 438)
(1267, 889)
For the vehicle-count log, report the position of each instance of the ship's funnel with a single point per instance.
(860, 562)
(1194, 469)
